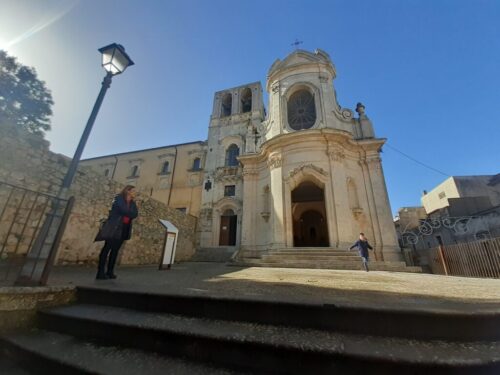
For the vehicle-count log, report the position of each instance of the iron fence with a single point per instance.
(471, 259)
(23, 215)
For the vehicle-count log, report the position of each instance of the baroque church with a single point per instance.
(306, 174)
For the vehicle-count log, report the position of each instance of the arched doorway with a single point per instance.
(228, 223)
(310, 227)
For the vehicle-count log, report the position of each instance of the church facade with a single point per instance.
(306, 174)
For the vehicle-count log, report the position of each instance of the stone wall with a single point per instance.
(18, 305)
(26, 161)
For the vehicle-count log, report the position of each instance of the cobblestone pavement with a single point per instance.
(378, 289)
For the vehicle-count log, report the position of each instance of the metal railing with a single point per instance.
(23, 214)
(471, 259)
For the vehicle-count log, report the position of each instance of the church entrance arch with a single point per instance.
(310, 227)
(228, 226)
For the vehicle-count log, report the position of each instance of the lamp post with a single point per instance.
(41, 256)
(114, 61)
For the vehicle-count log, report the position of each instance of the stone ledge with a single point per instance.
(213, 254)
(18, 305)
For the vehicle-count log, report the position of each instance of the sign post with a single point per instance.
(169, 245)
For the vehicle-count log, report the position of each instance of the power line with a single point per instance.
(429, 167)
(417, 161)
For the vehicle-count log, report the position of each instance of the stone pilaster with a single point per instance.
(385, 224)
(249, 214)
(335, 205)
(368, 190)
(277, 206)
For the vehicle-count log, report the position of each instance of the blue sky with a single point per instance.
(428, 72)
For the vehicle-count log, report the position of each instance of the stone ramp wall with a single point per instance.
(26, 161)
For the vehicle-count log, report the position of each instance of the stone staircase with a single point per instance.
(219, 254)
(123, 332)
(318, 257)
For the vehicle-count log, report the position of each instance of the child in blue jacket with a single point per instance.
(362, 245)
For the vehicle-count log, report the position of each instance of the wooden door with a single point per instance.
(227, 235)
(224, 230)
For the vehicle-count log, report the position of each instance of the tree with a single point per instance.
(25, 101)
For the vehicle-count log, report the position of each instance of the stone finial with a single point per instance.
(365, 125)
(360, 108)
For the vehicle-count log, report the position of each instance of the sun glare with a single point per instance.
(3, 44)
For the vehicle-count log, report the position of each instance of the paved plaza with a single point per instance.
(392, 290)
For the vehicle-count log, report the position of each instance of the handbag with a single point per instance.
(99, 236)
(109, 229)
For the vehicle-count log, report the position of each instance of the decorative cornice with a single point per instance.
(374, 163)
(274, 161)
(197, 152)
(336, 155)
(297, 170)
(167, 155)
(374, 160)
(248, 172)
(323, 78)
(226, 202)
(227, 174)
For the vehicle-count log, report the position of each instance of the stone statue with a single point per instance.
(365, 125)
(360, 108)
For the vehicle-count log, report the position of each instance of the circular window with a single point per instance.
(301, 110)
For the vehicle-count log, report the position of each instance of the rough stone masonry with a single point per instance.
(26, 161)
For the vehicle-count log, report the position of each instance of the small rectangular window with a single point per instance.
(165, 168)
(181, 209)
(229, 191)
(196, 164)
(442, 195)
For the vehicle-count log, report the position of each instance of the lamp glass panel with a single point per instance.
(113, 69)
(120, 61)
(107, 56)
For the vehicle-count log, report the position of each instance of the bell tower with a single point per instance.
(302, 96)
(236, 114)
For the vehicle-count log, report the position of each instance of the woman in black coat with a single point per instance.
(118, 228)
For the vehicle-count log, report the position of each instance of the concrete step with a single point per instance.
(332, 263)
(47, 352)
(10, 367)
(380, 319)
(310, 250)
(280, 258)
(263, 347)
(312, 253)
(213, 254)
(320, 258)
(113, 331)
(303, 248)
(323, 265)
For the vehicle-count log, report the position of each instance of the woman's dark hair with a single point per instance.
(126, 189)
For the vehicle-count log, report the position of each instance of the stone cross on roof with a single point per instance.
(297, 43)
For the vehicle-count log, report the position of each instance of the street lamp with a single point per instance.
(41, 256)
(114, 60)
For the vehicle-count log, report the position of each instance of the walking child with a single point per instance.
(362, 245)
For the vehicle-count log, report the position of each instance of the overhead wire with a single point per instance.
(428, 166)
(417, 161)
